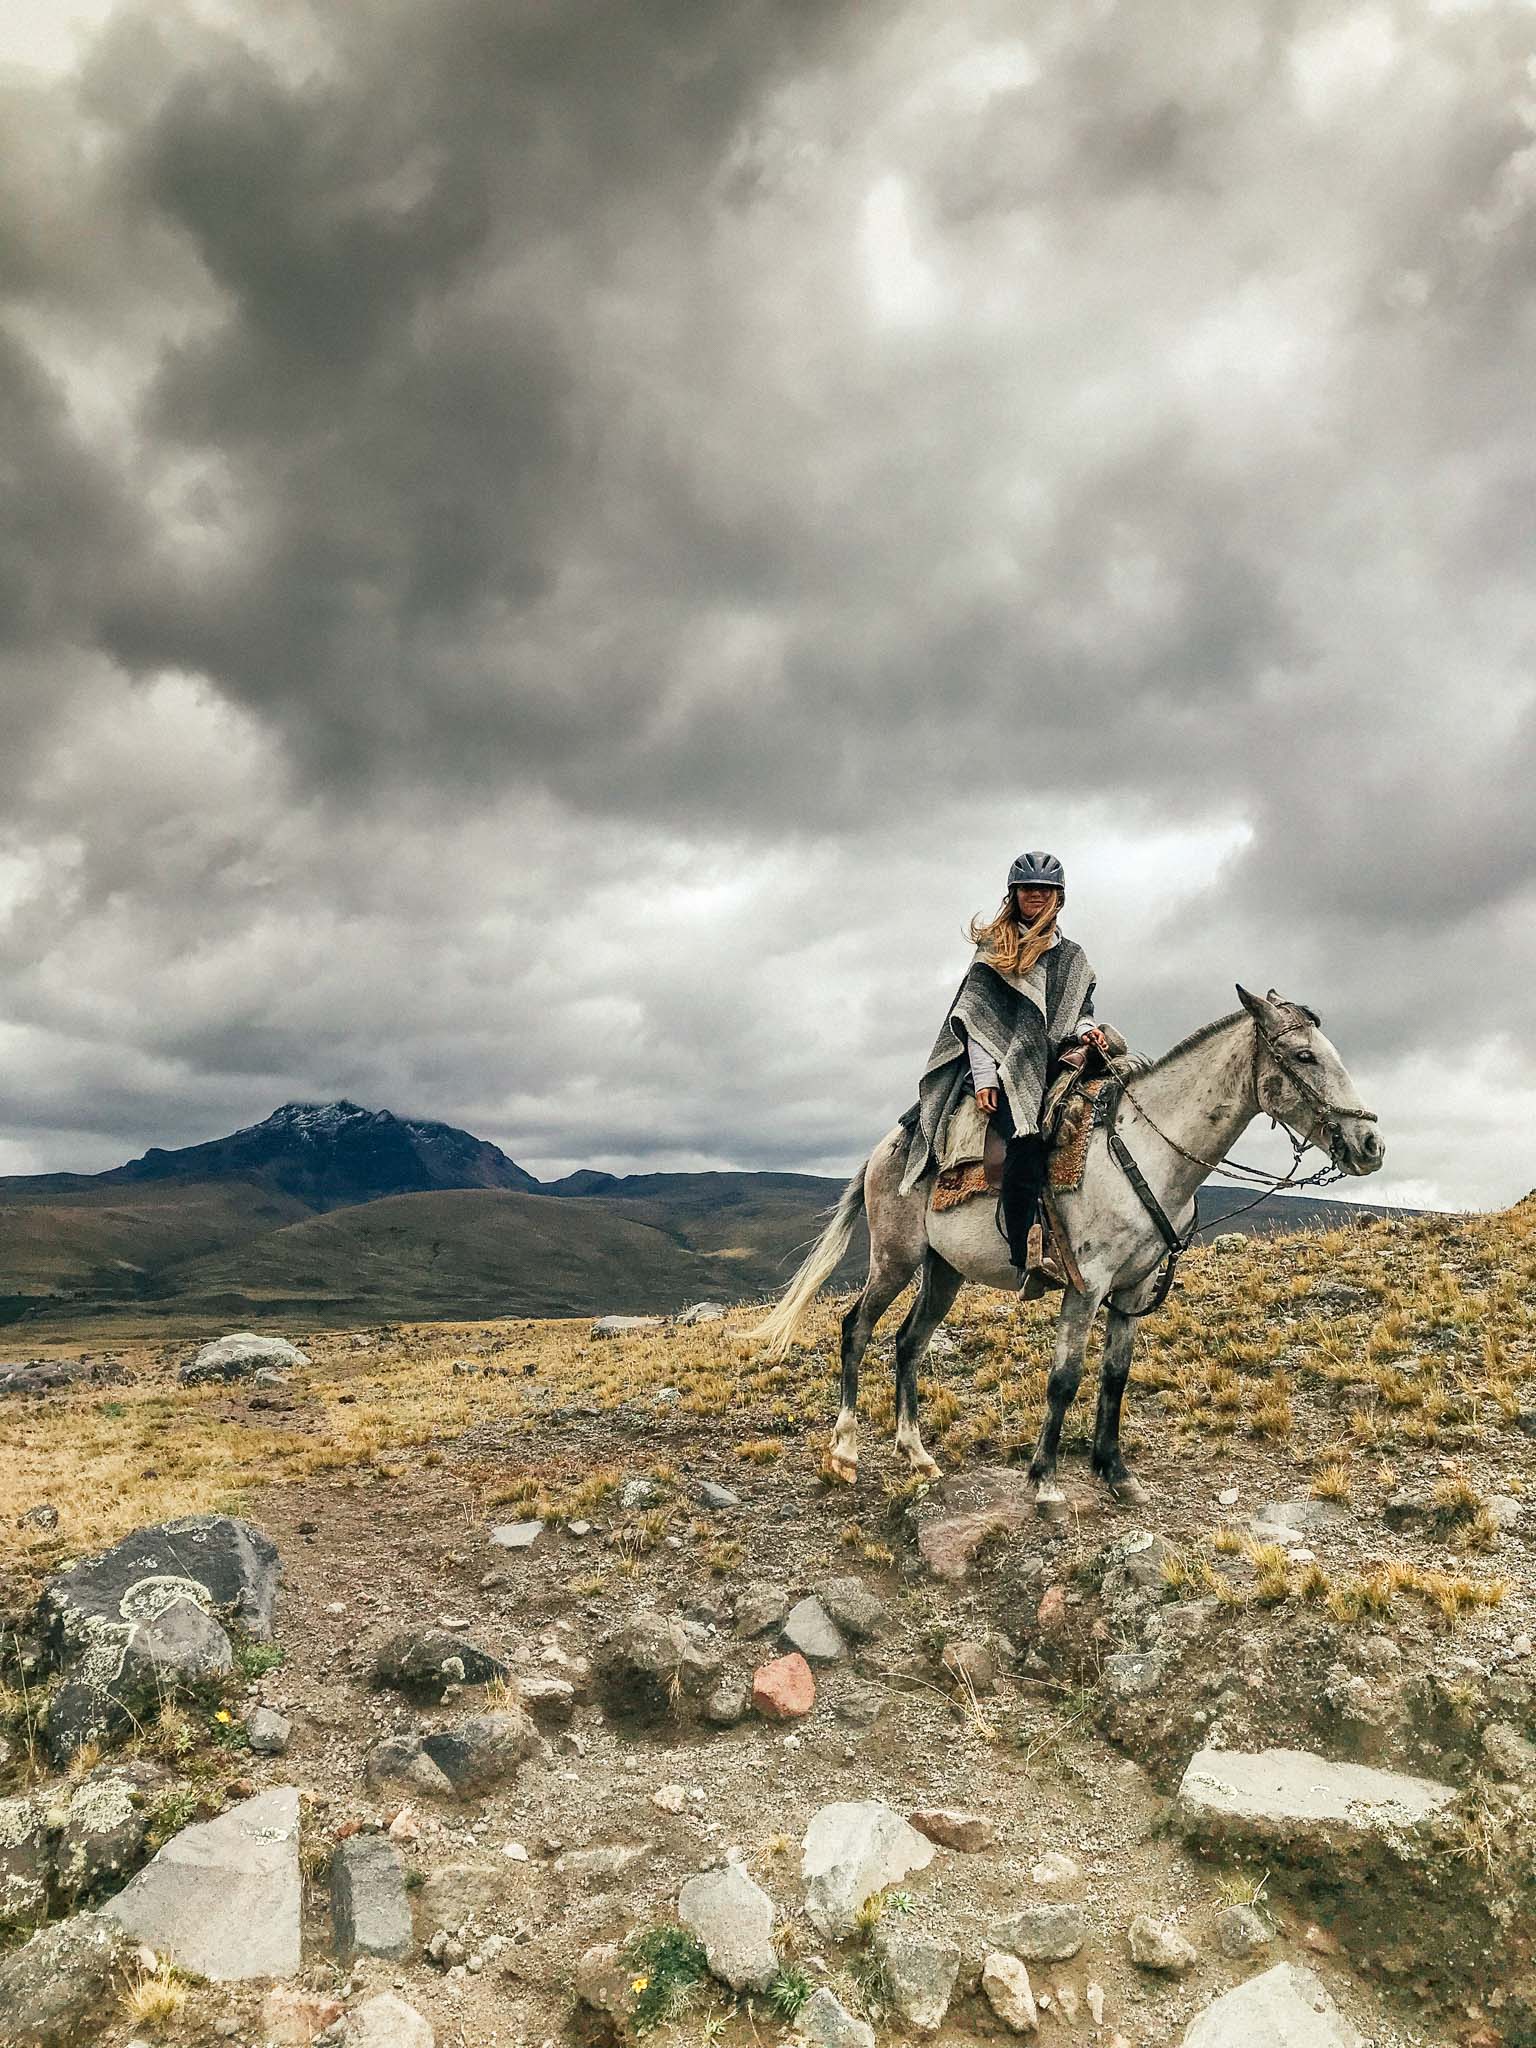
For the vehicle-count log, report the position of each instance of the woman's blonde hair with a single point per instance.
(1011, 947)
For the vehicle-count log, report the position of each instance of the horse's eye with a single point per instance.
(1306, 1059)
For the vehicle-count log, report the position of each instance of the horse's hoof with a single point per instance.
(844, 1470)
(925, 1468)
(1129, 1492)
(1050, 1502)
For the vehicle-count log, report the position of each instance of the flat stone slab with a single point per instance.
(222, 1899)
(516, 1535)
(1287, 2007)
(853, 1849)
(626, 1326)
(1290, 1797)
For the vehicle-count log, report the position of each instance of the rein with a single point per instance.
(1330, 1115)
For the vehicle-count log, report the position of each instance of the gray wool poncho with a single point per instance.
(1023, 1022)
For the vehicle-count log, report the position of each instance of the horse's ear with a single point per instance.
(1250, 1002)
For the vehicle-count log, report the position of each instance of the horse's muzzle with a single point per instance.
(1358, 1149)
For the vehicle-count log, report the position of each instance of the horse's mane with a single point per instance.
(1197, 1037)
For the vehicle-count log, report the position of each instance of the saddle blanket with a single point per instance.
(1070, 1121)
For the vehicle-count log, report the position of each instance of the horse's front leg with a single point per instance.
(1114, 1370)
(1077, 1313)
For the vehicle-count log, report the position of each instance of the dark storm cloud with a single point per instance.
(514, 497)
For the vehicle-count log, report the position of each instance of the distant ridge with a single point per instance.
(333, 1155)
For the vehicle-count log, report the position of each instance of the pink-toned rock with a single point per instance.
(992, 1502)
(784, 1690)
(952, 1829)
(1053, 1608)
(291, 2018)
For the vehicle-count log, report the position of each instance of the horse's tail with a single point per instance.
(779, 1325)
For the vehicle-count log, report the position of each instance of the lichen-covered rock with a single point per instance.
(54, 1987)
(142, 1620)
(102, 1823)
(459, 1892)
(26, 1861)
(484, 1751)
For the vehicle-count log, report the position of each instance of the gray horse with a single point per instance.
(1177, 1120)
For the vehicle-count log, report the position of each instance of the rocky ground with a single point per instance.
(535, 1683)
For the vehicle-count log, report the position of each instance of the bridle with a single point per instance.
(1329, 1115)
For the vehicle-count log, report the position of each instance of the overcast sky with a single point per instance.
(552, 552)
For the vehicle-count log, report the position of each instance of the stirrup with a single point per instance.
(1041, 1264)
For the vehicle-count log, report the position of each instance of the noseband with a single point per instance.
(1330, 1115)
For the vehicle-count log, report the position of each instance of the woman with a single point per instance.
(1026, 998)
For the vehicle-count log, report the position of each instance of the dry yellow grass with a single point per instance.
(1436, 1346)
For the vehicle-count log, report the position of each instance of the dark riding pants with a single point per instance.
(1023, 1180)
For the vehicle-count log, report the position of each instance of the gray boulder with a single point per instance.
(625, 1326)
(1287, 2007)
(652, 1664)
(761, 1609)
(370, 1912)
(425, 1662)
(382, 2022)
(53, 1988)
(701, 1312)
(142, 1620)
(478, 1754)
(713, 1496)
(809, 1629)
(854, 1608)
(733, 1917)
(267, 1731)
(516, 1535)
(1042, 1934)
(825, 2021)
(1158, 1945)
(461, 1892)
(854, 1849)
(236, 1357)
(1240, 1933)
(223, 1899)
(919, 1971)
(729, 1704)
(400, 1760)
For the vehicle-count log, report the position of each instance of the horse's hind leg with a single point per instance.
(1077, 1313)
(1114, 1370)
(935, 1298)
(887, 1277)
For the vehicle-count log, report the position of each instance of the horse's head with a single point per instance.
(1301, 1082)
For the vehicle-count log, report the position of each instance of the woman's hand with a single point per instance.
(1094, 1036)
(986, 1101)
